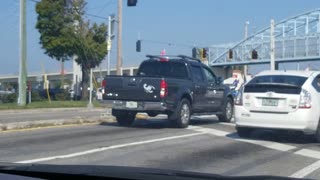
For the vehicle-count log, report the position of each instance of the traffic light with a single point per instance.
(204, 53)
(230, 54)
(200, 53)
(194, 52)
(254, 54)
(132, 2)
(138, 46)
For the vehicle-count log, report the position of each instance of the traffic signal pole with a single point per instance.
(23, 55)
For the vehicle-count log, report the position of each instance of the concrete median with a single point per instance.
(31, 119)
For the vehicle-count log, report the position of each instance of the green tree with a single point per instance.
(65, 32)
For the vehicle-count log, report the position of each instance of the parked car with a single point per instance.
(177, 86)
(287, 100)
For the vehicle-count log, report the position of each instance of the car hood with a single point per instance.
(92, 171)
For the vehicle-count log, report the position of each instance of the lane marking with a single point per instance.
(307, 170)
(228, 124)
(108, 148)
(211, 131)
(267, 144)
(309, 153)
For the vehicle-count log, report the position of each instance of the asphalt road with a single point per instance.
(206, 146)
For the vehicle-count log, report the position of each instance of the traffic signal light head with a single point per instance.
(138, 46)
(254, 54)
(230, 54)
(194, 52)
(204, 53)
(132, 2)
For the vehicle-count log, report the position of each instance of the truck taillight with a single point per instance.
(305, 99)
(238, 99)
(104, 83)
(163, 88)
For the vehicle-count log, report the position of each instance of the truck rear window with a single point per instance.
(164, 69)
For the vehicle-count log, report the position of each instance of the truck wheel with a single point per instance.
(243, 132)
(152, 114)
(125, 118)
(181, 117)
(227, 111)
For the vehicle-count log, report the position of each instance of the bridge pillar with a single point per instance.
(224, 72)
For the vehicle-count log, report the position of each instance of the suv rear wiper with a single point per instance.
(273, 84)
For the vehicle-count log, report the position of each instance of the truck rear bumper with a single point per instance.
(139, 106)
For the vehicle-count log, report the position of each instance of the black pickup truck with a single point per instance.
(177, 86)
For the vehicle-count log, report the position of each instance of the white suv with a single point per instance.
(288, 100)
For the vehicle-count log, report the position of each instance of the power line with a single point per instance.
(96, 16)
(168, 43)
(88, 14)
(105, 5)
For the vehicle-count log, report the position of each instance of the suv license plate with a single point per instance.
(131, 104)
(269, 102)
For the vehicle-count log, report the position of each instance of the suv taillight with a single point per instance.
(163, 88)
(238, 99)
(305, 99)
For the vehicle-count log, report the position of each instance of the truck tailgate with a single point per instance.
(132, 88)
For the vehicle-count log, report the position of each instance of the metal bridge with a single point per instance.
(296, 39)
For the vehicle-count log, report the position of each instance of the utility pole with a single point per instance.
(109, 43)
(272, 46)
(90, 105)
(119, 39)
(23, 55)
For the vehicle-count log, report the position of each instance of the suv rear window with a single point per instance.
(279, 79)
(276, 83)
(164, 69)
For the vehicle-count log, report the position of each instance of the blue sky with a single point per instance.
(191, 22)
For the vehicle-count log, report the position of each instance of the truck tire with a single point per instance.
(243, 132)
(125, 118)
(152, 114)
(227, 111)
(181, 117)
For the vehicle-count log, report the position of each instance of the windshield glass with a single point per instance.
(162, 89)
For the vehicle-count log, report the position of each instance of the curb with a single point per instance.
(57, 122)
(52, 110)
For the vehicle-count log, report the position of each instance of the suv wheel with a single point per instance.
(227, 111)
(125, 118)
(243, 132)
(181, 117)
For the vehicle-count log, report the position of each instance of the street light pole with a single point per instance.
(272, 46)
(119, 38)
(23, 55)
(245, 67)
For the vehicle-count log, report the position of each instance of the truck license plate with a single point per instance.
(269, 102)
(131, 104)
